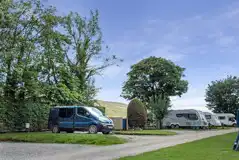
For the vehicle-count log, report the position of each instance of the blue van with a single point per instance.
(78, 118)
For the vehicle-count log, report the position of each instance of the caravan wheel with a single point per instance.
(172, 126)
(177, 126)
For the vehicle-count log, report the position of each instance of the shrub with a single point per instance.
(16, 115)
(136, 114)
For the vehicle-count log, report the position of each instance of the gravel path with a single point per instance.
(137, 145)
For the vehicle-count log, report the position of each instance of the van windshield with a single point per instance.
(95, 111)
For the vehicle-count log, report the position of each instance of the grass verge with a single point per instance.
(146, 132)
(91, 139)
(214, 148)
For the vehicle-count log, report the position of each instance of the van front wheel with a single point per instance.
(93, 129)
(106, 132)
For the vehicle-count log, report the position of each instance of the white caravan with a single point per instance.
(212, 119)
(227, 119)
(185, 118)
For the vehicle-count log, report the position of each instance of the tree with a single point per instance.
(159, 107)
(27, 34)
(153, 77)
(85, 46)
(222, 96)
(136, 114)
(47, 60)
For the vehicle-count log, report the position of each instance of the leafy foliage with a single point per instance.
(152, 77)
(136, 114)
(159, 107)
(46, 60)
(153, 80)
(222, 96)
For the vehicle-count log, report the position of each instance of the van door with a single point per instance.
(66, 117)
(82, 119)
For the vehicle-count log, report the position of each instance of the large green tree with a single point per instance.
(222, 96)
(154, 77)
(85, 57)
(46, 60)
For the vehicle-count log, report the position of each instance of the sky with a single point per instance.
(201, 36)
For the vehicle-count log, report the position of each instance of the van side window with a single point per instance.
(65, 112)
(192, 117)
(81, 111)
(221, 117)
(179, 115)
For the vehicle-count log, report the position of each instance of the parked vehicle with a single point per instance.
(212, 119)
(79, 118)
(227, 119)
(187, 118)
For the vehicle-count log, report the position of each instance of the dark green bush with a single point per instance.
(136, 114)
(16, 115)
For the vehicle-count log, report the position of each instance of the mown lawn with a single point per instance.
(214, 148)
(146, 132)
(91, 139)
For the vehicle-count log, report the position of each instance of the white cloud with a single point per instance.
(112, 72)
(225, 41)
(168, 52)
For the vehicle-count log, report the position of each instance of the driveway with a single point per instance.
(136, 145)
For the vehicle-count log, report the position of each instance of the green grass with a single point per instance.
(114, 109)
(91, 139)
(146, 132)
(214, 148)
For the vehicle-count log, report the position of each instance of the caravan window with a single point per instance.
(221, 117)
(185, 115)
(179, 115)
(208, 116)
(192, 117)
(65, 112)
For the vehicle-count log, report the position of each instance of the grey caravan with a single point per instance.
(186, 118)
(212, 119)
